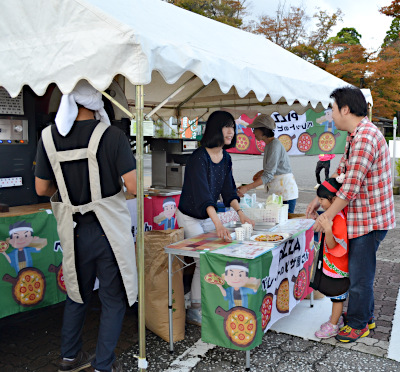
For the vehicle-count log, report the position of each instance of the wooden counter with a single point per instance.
(25, 209)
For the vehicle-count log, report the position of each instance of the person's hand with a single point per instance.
(311, 211)
(325, 222)
(244, 219)
(321, 221)
(258, 174)
(241, 190)
(223, 232)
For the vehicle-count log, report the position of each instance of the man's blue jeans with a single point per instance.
(362, 265)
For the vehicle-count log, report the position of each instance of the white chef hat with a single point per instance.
(85, 95)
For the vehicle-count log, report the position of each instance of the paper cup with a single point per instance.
(248, 230)
(239, 232)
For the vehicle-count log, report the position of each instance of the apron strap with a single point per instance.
(94, 174)
(48, 142)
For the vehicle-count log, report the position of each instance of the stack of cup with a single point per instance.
(239, 233)
(248, 230)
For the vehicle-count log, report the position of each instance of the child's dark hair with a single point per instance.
(328, 189)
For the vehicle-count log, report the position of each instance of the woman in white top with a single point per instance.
(276, 174)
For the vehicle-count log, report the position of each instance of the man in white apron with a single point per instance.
(79, 163)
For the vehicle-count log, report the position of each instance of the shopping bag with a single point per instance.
(323, 283)
(156, 285)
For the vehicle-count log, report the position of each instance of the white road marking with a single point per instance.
(187, 360)
(394, 343)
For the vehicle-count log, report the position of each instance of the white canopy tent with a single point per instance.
(161, 50)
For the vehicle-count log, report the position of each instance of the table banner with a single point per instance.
(30, 263)
(242, 298)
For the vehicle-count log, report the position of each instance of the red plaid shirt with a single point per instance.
(368, 182)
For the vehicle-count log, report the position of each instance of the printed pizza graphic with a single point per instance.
(305, 141)
(282, 296)
(260, 145)
(214, 279)
(300, 284)
(240, 325)
(327, 141)
(3, 246)
(266, 309)
(242, 142)
(60, 277)
(286, 141)
(28, 287)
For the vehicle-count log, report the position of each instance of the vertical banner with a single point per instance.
(241, 299)
(30, 263)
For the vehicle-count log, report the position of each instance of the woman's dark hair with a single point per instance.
(213, 136)
(324, 193)
(266, 132)
(351, 97)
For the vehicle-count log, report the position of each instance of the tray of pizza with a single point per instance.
(271, 237)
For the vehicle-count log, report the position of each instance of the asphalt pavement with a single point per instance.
(31, 341)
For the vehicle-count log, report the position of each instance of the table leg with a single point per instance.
(247, 360)
(170, 320)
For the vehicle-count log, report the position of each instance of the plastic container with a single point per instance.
(271, 214)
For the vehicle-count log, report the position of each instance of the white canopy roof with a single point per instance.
(160, 46)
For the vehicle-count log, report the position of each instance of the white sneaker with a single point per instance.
(316, 186)
(193, 316)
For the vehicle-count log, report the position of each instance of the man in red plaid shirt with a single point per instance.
(367, 194)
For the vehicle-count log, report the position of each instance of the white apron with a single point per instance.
(284, 185)
(112, 213)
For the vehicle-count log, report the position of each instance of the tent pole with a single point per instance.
(139, 103)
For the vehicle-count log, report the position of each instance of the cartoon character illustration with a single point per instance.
(327, 121)
(22, 239)
(166, 217)
(237, 277)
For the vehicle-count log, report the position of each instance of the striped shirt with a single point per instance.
(368, 182)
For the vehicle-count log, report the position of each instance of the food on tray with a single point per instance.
(304, 142)
(240, 325)
(214, 279)
(300, 284)
(266, 309)
(282, 296)
(327, 141)
(268, 238)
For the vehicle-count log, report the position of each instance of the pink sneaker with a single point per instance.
(340, 322)
(327, 330)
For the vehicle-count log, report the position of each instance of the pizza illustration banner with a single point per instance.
(30, 263)
(308, 134)
(242, 298)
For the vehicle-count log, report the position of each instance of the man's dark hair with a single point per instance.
(351, 97)
(213, 136)
(266, 132)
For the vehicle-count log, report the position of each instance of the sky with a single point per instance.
(362, 15)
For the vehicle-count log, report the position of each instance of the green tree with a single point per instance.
(393, 34)
(347, 35)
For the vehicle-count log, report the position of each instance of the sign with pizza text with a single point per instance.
(30, 263)
(242, 298)
(308, 134)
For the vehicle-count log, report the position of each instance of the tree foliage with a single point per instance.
(393, 34)
(230, 12)
(392, 10)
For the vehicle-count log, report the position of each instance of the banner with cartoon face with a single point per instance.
(242, 298)
(30, 263)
